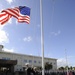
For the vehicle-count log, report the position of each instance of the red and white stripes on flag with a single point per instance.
(5, 15)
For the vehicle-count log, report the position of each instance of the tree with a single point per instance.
(71, 67)
(48, 66)
(61, 68)
(66, 67)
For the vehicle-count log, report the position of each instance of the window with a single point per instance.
(4, 58)
(34, 61)
(25, 60)
(30, 61)
(8, 58)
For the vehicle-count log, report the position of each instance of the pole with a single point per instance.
(66, 61)
(42, 37)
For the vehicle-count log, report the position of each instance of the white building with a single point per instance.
(23, 59)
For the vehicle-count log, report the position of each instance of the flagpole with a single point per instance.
(42, 37)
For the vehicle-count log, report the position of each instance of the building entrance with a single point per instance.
(7, 65)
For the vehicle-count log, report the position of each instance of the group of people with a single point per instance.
(33, 71)
(30, 70)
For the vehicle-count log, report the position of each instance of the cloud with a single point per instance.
(1, 27)
(61, 62)
(3, 36)
(56, 34)
(9, 1)
(8, 50)
(28, 39)
(10, 21)
(16, 22)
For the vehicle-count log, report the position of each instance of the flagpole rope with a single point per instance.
(36, 26)
(52, 16)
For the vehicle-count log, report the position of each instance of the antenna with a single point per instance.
(66, 61)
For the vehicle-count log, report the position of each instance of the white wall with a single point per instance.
(35, 61)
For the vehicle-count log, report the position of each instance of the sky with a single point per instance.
(58, 25)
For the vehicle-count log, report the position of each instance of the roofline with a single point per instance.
(27, 55)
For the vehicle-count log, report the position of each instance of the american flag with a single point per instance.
(21, 13)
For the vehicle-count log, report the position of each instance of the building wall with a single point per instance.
(23, 59)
